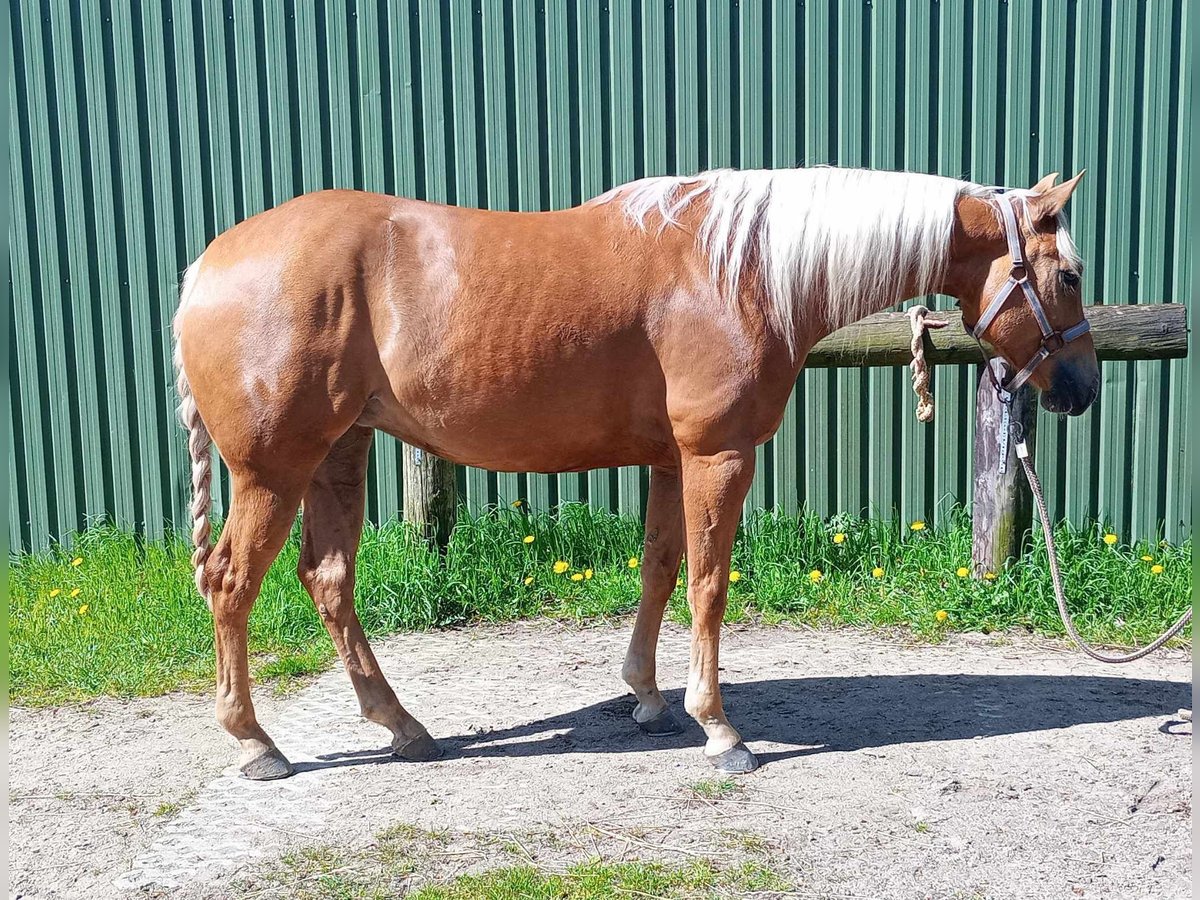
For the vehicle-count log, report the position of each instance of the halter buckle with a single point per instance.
(1053, 342)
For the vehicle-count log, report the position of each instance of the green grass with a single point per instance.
(405, 860)
(713, 788)
(598, 880)
(126, 619)
(387, 866)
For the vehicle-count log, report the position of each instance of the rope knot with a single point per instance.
(917, 317)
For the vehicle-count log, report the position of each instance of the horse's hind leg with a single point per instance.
(660, 567)
(260, 517)
(333, 521)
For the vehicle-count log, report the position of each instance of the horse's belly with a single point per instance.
(582, 418)
(531, 444)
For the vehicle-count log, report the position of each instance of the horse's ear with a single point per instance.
(1045, 184)
(1052, 201)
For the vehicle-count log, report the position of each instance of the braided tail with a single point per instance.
(200, 450)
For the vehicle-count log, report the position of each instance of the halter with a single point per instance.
(1052, 341)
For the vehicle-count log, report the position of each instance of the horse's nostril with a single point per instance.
(1069, 392)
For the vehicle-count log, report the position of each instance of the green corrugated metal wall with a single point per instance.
(140, 131)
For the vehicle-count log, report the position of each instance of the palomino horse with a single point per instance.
(662, 324)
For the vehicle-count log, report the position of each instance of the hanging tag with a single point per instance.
(1022, 450)
(417, 455)
(1005, 425)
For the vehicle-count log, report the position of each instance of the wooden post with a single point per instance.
(1002, 512)
(430, 495)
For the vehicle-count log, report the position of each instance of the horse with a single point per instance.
(661, 324)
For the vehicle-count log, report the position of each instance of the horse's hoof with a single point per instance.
(419, 749)
(269, 766)
(737, 760)
(662, 724)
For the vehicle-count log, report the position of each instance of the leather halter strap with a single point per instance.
(1052, 341)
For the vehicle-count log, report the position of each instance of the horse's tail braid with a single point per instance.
(200, 451)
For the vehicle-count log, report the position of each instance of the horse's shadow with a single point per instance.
(832, 714)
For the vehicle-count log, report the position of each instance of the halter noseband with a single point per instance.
(1052, 341)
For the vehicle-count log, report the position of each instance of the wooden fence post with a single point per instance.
(430, 495)
(1002, 509)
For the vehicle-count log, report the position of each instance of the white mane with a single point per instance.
(853, 236)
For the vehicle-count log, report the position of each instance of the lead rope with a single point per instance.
(1056, 578)
(919, 322)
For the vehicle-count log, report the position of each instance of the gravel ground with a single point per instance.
(981, 767)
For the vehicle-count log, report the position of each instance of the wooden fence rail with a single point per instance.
(1153, 331)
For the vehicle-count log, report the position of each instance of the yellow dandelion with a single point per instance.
(528, 580)
(735, 575)
(678, 582)
(989, 576)
(839, 538)
(83, 610)
(918, 525)
(962, 571)
(577, 576)
(56, 592)
(1147, 558)
(633, 562)
(517, 504)
(587, 574)
(561, 566)
(941, 615)
(815, 575)
(877, 572)
(1156, 569)
(77, 561)
(76, 592)
(528, 539)
(1110, 539)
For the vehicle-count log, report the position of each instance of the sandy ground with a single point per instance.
(981, 767)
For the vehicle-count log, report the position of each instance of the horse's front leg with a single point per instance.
(713, 490)
(662, 553)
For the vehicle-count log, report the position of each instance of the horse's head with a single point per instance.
(1019, 284)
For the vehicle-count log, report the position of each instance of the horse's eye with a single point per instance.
(1069, 279)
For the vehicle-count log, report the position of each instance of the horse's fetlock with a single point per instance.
(230, 712)
(699, 704)
(633, 675)
(381, 713)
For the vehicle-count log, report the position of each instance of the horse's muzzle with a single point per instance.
(1072, 389)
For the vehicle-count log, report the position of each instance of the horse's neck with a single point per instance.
(821, 316)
